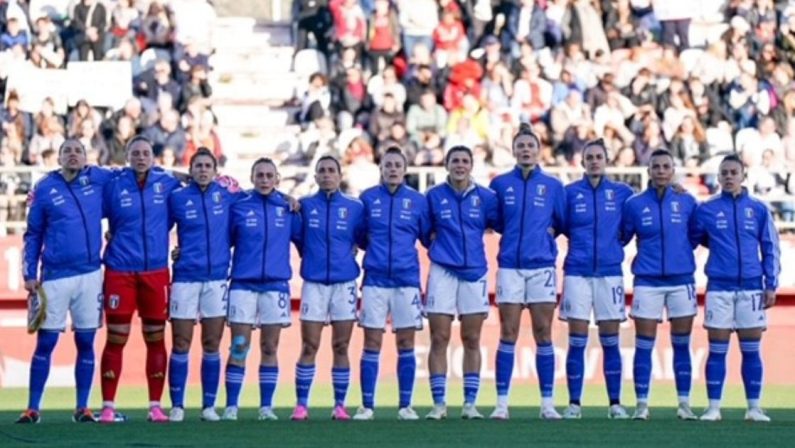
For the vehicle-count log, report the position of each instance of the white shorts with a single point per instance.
(603, 295)
(526, 286)
(80, 295)
(649, 301)
(447, 294)
(735, 310)
(198, 300)
(403, 304)
(328, 303)
(259, 308)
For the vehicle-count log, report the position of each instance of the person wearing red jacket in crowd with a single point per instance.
(383, 36)
(350, 25)
(464, 78)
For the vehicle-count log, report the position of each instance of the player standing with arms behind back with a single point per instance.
(594, 279)
(396, 216)
(461, 211)
(62, 204)
(333, 225)
(259, 296)
(737, 229)
(201, 212)
(136, 274)
(532, 211)
(662, 221)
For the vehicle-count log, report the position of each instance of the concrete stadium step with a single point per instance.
(275, 87)
(242, 116)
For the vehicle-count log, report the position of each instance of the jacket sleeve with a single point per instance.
(492, 214)
(34, 236)
(698, 229)
(297, 230)
(771, 251)
(360, 232)
(107, 198)
(425, 225)
(627, 224)
(559, 213)
(499, 224)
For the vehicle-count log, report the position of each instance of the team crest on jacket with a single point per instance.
(217, 197)
(157, 187)
(675, 207)
(475, 201)
(406, 203)
(609, 195)
(82, 180)
(541, 190)
(279, 211)
(342, 212)
(749, 212)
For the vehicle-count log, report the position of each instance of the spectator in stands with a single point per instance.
(13, 116)
(384, 117)
(316, 101)
(565, 114)
(674, 17)
(202, 134)
(46, 112)
(386, 82)
(383, 36)
(313, 17)
(398, 136)
(187, 59)
(14, 35)
(117, 145)
(532, 95)
(689, 142)
(167, 132)
(469, 121)
(419, 82)
(362, 172)
(449, 39)
(350, 25)
(91, 139)
(49, 136)
(79, 113)
(126, 51)
(526, 22)
(620, 25)
(650, 140)
(157, 82)
(196, 87)
(156, 29)
(125, 21)
(496, 90)
(418, 19)
(48, 45)
(133, 111)
(426, 119)
(353, 101)
(89, 24)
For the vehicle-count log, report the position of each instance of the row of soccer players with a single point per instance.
(527, 206)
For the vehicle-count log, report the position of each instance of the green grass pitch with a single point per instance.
(524, 427)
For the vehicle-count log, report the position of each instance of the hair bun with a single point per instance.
(525, 128)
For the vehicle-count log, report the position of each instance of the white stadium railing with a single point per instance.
(425, 176)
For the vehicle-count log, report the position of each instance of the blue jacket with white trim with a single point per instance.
(459, 221)
(395, 221)
(64, 228)
(737, 230)
(593, 227)
(664, 230)
(527, 209)
(139, 221)
(262, 227)
(333, 226)
(202, 219)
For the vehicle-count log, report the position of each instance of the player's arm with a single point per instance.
(771, 257)
(360, 231)
(425, 227)
(627, 224)
(492, 214)
(498, 225)
(698, 228)
(34, 240)
(297, 231)
(559, 221)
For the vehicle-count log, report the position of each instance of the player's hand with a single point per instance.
(228, 182)
(551, 232)
(31, 285)
(175, 253)
(108, 236)
(678, 188)
(770, 299)
(295, 204)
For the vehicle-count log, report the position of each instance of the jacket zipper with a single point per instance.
(595, 228)
(389, 224)
(521, 225)
(207, 234)
(82, 217)
(328, 240)
(143, 228)
(737, 240)
(265, 241)
(662, 234)
(461, 224)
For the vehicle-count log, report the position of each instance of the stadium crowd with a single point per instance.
(166, 44)
(431, 74)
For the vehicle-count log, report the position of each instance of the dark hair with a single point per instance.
(393, 149)
(733, 158)
(71, 139)
(333, 159)
(526, 129)
(599, 142)
(136, 139)
(203, 152)
(263, 160)
(660, 152)
(454, 149)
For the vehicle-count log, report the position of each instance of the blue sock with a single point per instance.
(268, 378)
(471, 386)
(641, 366)
(340, 378)
(438, 386)
(575, 366)
(407, 369)
(304, 374)
(612, 366)
(545, 365)
(40, 366)
(368, 371)
(683, 368)
(504, 367)
(234, 382)
(211, 375)
(84, 369)
(751, 369)
(716, 368)
(177, 378)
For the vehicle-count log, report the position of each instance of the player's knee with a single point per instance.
(154, 337)
(238, 350)
(210, 345)
(268, 351)
(181, 344)
(542, 334)
(340, 348)
(405, 343)
(117, 338)
(439, 340)
(471, 342)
